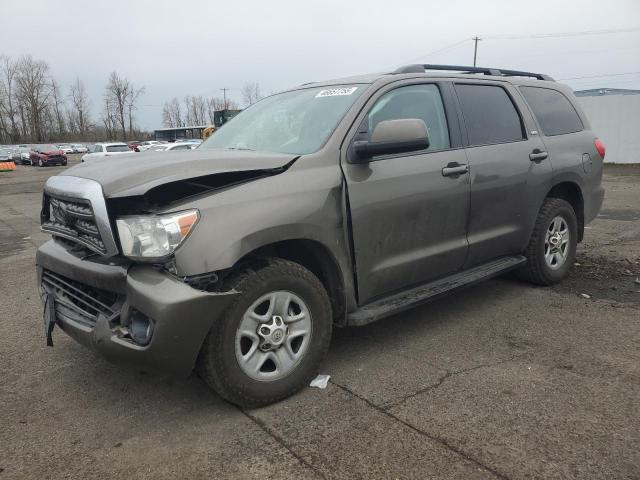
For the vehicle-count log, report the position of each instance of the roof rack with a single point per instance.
(417, 68)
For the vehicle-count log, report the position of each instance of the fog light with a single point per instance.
(140, 327)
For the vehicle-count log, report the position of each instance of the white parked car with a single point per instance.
(100, 150)
(66, 148)
(166, 147)
(147, 145)
(77, 148)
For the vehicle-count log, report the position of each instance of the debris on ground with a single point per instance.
(320, 381)
(585, 295)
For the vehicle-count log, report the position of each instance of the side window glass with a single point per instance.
(553, 110)
(489, 114)
(415, 101)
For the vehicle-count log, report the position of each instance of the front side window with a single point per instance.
(423, 102)
(489, 114)
(553, 110)
(97, 149)
(296, 122)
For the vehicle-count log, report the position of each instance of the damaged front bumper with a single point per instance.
(95, 303)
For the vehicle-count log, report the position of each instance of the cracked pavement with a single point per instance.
(502, 380)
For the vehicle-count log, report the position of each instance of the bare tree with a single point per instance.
(34, 92)
(134, 95)
(8, 110)
(172, 114)
(120, 101)
(251, 93)
(80, 105)
(57, 105)
(196, 110)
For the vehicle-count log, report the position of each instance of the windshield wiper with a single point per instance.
(240, 148)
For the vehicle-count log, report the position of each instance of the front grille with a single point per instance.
(76, 301)
(73, 220)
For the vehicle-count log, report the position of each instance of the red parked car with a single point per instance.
(44, 155)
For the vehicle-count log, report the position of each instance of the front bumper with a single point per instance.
(182, 315)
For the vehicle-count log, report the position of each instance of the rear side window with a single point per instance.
(117, 148)
(489, 114)
(553, 110)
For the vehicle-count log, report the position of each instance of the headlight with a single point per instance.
(154, 236)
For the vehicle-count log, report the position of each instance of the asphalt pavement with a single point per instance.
(502, 380)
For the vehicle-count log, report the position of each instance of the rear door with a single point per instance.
(509, 170)
(408, 219)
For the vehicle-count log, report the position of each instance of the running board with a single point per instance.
(427, 292)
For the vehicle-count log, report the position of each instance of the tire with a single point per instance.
(219, 362)
(40, 163)
(540, 268)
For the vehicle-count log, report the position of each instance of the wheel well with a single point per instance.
(317, 259)
(571, 193)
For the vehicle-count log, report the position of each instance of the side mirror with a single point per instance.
(393, 136)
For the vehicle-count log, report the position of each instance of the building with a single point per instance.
(614, 115)
(194, 131)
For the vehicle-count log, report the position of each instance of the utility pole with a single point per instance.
(475, 39)
(224, 94)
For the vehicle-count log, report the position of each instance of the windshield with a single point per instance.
(296, 122)
(117, 148)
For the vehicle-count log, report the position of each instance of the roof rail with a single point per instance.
(417, 68)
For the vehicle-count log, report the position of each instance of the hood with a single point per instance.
(52, 152)
(128, 175)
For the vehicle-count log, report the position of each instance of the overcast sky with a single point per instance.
(175, 48)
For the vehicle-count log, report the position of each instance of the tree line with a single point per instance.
(200, 110)
(34, 108)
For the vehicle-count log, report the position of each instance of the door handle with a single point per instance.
(454, 169)
(538, 155)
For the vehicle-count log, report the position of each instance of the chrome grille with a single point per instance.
(73, 220)
(76, 301)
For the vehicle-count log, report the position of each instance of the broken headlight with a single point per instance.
(151, 237)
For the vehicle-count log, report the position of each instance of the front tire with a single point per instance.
(40, 163)
(552, 247)
(268, 344)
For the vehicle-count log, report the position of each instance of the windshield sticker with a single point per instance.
(334, 92)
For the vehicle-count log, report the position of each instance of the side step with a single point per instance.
(427, 292)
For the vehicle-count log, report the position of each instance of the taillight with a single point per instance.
(600, 147)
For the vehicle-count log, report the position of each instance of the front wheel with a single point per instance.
(40, 163)
(268, 344)
(552, 247)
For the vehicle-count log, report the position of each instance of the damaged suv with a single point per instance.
(332, 204)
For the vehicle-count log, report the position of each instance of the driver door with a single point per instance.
(408, 215)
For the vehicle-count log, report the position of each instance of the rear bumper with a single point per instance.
(182, 315)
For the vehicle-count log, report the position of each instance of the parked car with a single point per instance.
(66, 148)
(45, 155)
(335, 203)
(100, 150)
(6, 155)
(77, 148)
(142, 146)
(167, 147)
(21, 155)
(195, 141)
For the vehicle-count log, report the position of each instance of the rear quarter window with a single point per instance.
(554, 111)
(489, 114)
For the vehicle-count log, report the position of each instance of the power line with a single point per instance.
(562, 34)
(601, 76)
(439, 50)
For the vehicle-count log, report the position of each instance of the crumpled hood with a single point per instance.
(126, 175)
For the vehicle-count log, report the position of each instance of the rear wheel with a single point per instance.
(269, 342)
(552, 247)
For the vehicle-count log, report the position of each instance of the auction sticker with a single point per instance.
(334, 92)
